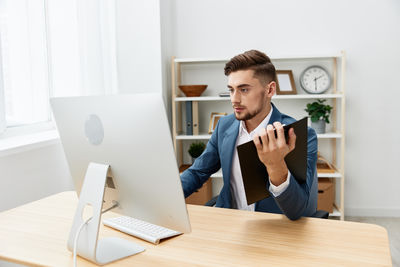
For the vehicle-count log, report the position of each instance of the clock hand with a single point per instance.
(315, 81)
(316, 78)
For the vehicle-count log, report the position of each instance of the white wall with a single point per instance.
(368, 31)
(138, 46)
(33, 174)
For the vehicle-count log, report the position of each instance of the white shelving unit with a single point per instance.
(219, 98)
(336, 95)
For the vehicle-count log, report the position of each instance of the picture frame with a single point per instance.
(285, 83)
(215, 116)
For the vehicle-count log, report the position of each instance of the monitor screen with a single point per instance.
(131, 134)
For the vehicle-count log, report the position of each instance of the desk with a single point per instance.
(36, 234)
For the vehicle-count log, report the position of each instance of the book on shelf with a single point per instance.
(195, 117)
(224, 94)
(189, 122)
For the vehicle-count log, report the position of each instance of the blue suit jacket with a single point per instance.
(296, 201)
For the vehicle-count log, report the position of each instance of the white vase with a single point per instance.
(319, 126)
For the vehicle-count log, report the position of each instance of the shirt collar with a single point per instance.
(263, 124)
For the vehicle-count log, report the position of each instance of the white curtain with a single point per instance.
(53, 48)
(97, 46)
(24, 61)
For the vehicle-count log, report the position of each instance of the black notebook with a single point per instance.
(254, 172)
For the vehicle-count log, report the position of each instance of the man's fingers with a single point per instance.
(280, 133)
(292, 139)
(271, 137)
(264, 138)
(256, 140)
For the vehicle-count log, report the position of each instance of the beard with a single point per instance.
(251, 114)
(247, 116)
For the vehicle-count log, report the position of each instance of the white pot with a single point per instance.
(319, 126)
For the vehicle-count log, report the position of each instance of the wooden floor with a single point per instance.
(391, 224)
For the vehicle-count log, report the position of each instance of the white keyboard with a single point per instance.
(141, 229)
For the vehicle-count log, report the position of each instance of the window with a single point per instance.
(24, 83)
(53, 48)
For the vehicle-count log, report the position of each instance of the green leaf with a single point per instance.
(318, 110)
(196, 149)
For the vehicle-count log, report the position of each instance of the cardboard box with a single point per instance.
(326, 194)
(203, 195)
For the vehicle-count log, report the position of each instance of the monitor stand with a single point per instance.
(106, 249)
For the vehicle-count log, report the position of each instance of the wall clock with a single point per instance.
(315, 80)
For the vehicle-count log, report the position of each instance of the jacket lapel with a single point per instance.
(228, 146)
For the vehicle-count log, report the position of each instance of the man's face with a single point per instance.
(249, 96)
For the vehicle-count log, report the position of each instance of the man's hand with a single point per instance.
(272, 151)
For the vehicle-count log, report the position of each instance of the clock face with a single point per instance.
(315, 80)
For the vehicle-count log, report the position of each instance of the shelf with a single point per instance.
(329, 135)
(202, 98)
(300, 96)
(329, 175)
(218, 174)
(277, 57)
(193, 137)
(308, 96)
(200, 60)
(307, 56)
(205, 136)
(335, 213)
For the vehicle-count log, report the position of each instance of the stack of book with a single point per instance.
(192, 117)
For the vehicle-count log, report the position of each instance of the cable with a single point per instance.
(81, 227)
(77, 236)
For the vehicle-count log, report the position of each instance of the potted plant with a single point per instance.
(319, 114)
(196, 149)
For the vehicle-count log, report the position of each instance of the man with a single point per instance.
(252, 83)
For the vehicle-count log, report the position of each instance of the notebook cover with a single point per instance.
(254, 172)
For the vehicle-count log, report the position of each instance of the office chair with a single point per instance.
(322, 214)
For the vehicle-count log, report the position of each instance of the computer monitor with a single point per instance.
(131, 134)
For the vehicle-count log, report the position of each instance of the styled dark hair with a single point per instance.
(255, 60)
